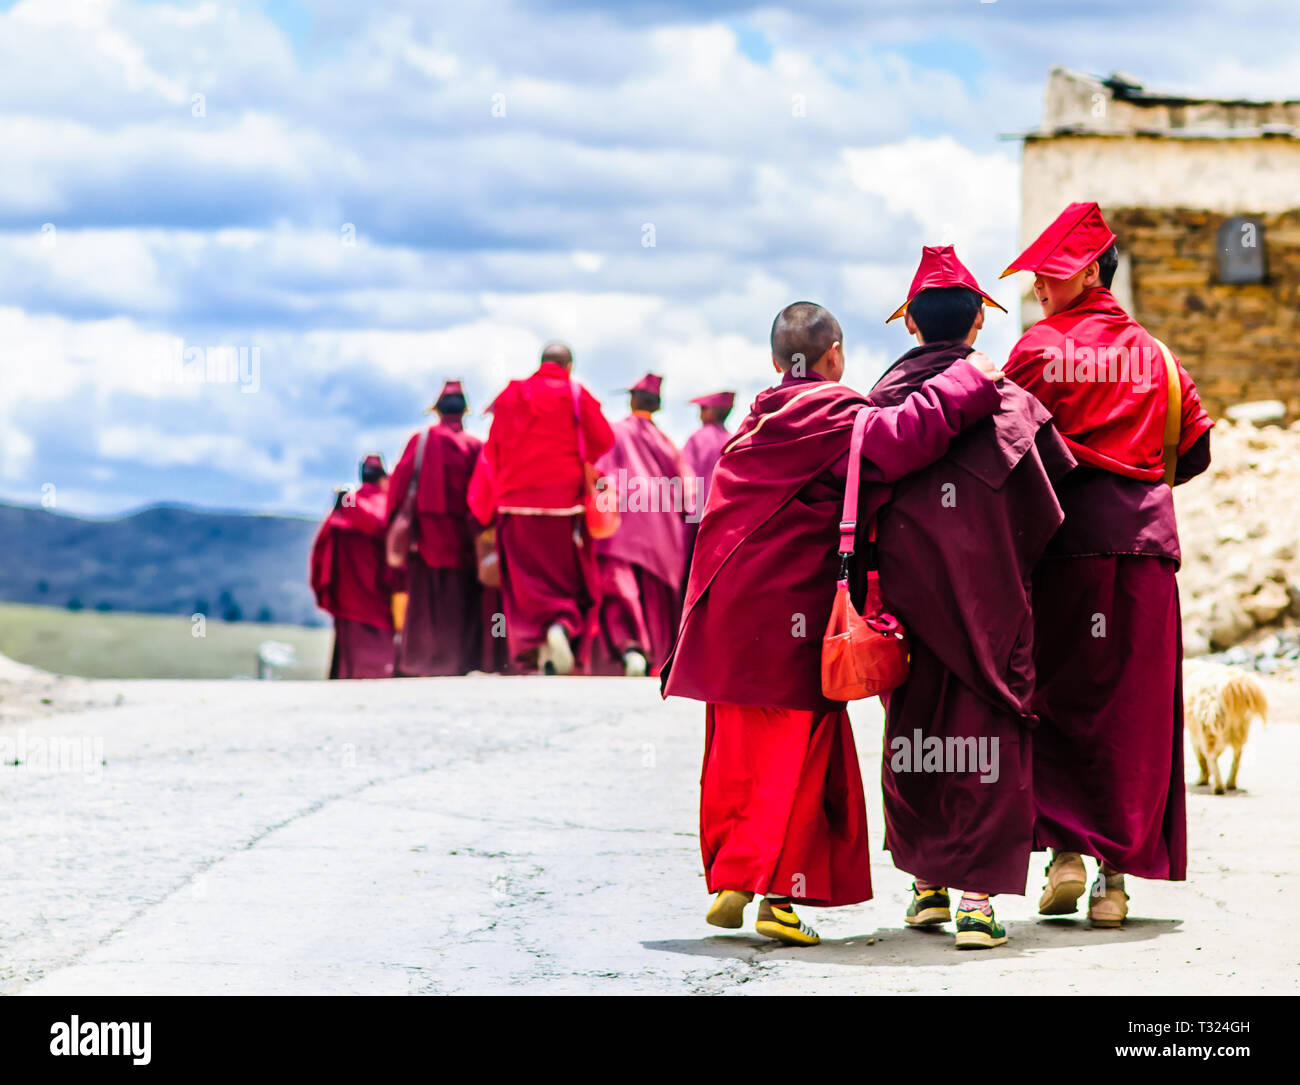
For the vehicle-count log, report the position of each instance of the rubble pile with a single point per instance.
(1240, 529)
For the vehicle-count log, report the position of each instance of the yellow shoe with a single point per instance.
(728, 909)
(782, 924)
(1107, 902)
(1066, 882)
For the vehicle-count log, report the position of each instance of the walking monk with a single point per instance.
(958, 543)
(642, 564)
(700, 454)
(543, 428)
(442, 631)
(782, 811)
(1108, 754)
(351, 579)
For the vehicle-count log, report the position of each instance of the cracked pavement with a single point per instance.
(522, 835)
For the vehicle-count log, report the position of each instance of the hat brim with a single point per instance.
(987, 301)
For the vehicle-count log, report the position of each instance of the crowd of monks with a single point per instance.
(1017, 518)
(499, 572)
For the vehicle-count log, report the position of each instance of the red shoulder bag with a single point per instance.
(863, 655)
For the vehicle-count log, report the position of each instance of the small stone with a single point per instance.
(1259, 412)
(1267, 604)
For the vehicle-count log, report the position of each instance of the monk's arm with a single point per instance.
(902, 439)
(321, 566)
(596, 431)
(1195, 460)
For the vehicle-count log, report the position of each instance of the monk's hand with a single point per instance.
(984, 364)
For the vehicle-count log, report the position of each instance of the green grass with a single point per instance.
(93, 644)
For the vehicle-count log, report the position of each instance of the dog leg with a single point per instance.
(1232, 772)
(1214, 775)
(1205, 768)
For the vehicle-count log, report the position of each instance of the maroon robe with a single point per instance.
(641, 565)
(780, 791)
(548, 570)
(958, 543)
(350, 580)
(442, 632)
(1108, 753)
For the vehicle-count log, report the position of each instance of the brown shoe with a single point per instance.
(1109, 908)
(1066, 881)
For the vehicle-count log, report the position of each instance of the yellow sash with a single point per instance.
(1173, 414)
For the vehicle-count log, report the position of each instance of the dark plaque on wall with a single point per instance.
(1241, 251)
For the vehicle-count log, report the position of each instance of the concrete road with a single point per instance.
(524, 835)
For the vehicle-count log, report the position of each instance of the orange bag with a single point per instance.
(485, 556)
(862, 655)
(600, 502)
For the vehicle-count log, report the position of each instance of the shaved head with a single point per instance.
(803, 331)
(559, 353)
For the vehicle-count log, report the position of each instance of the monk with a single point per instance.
(543, 428)
(782, 811)
(641, 566)
(700, 454)
(958, 542)
(483, 525)
(442, 630)
(1108, 754)
(350, 578)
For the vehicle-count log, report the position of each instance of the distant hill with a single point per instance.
(165, 559)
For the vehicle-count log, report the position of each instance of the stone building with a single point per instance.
(1204, 196)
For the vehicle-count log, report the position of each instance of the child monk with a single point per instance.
(782, 812)
(1108, 755)
(958, 543)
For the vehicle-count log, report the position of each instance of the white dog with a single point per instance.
(1219, 704)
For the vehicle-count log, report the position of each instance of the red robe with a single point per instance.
(1108, 752)
(958, 543)
(642, 564)
(443, 627)
(780, 792)
(548, 570)
(350, 580)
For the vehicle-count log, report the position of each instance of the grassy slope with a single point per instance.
(113, 645)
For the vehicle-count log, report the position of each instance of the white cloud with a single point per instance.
(480, 237)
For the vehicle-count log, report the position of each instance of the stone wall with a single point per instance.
(1239, 342)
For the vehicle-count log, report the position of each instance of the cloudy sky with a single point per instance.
(339, 205)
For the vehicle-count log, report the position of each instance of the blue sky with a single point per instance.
(367, 199)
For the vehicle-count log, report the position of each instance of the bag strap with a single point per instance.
(1173, 414)
(413, 487)
(576, 389)
(414, 484)
(849, 515)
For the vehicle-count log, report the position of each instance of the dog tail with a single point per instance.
(1243, 697)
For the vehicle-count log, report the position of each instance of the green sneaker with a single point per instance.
(929, 907)
(975, 930)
